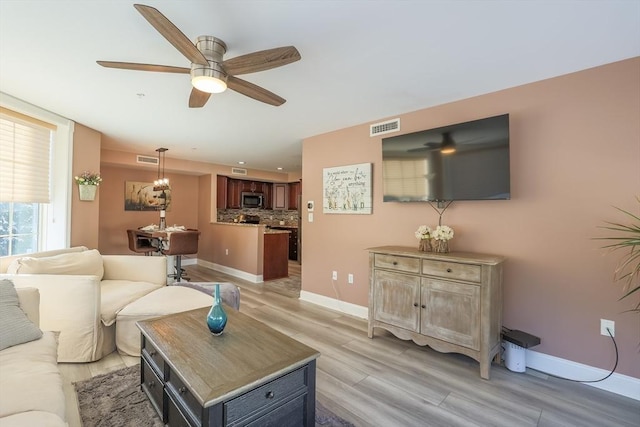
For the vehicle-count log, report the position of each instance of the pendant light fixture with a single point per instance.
(162, 183)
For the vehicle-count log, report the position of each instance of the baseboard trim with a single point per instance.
(334, 304)
(617, 383)
(253, 278)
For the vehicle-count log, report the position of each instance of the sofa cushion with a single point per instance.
(117, 294)
(33, 418)
(16, 326)
(30, 379)
(77, 263)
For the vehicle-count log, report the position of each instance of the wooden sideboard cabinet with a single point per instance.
(451, 302)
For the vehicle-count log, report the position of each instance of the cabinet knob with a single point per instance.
(449, 270)
(269, 394)
(415, 304)
(182, 389)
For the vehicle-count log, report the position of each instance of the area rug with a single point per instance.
(116, 400)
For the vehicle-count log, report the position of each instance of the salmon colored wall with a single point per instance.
(575, 153)
(245, 244)
(114, 220)
(194, 200)
(85, 214)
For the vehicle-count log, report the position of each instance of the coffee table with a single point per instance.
(249, 375)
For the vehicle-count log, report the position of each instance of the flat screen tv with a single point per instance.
(464, 161)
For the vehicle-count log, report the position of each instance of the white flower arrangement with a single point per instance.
(88, 178)
(443, 232)
(423, 232)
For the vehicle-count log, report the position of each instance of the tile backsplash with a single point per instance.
(271, 217)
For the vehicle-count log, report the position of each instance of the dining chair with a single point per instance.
(140, 245)
(181, 243)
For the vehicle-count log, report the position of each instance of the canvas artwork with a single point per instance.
(139, 196)
(347, 189)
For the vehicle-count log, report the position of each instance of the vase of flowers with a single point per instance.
(441, 236)
(88, 183)
(423, 234)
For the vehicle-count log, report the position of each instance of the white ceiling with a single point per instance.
(362, 61)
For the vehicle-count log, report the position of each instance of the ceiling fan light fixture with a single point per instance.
(209, 84)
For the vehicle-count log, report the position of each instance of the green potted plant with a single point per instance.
(626, 239)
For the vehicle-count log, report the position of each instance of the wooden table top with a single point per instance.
(217, 368)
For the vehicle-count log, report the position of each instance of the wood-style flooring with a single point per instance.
(388, 382)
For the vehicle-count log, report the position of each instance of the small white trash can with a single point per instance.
(514, 357)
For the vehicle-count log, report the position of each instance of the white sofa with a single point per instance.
(31, 392)
(82, 291)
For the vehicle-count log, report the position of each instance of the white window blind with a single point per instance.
(25, 147)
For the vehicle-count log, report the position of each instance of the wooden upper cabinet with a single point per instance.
(267, 191)
(222, 192)
(295, 190)
(279, 196)
(234, 193)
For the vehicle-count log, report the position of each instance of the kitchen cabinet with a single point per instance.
(222, 192)
(234, 193)
(295, 190)
(279, 196)
(276, 251)
(267, 191)
(451, 302)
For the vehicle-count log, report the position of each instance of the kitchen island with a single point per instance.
(253, 252)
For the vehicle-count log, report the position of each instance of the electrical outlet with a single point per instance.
(334, 275)
(350, 279)
(604, 324)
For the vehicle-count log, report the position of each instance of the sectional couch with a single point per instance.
(31, 392)
(82, 291)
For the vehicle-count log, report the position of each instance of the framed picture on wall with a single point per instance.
(347, 189)
(139, 196)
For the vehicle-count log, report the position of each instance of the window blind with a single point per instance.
(25, 151)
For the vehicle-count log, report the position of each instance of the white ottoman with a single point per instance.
(166, 300)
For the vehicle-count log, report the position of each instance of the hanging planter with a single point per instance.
(87, 185)
(87, 192)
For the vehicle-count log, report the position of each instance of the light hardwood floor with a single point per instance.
(388, 382)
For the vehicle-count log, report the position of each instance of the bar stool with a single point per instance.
(182, 243)
(140, 244)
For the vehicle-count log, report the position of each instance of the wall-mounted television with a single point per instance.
(464, 161)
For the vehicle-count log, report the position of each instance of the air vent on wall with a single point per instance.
(238, 171)
(147, 160)
(384, 127)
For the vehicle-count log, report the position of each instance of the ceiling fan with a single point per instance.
(209, 72)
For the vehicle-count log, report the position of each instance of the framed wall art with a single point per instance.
(139, 196)
(347, 189)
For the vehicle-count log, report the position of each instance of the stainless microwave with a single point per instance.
(252, 200)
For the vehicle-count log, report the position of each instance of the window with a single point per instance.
(19, 228)
(39, 159)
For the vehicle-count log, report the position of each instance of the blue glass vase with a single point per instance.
(217, 318)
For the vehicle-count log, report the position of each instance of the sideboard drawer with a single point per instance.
(272, 393)
(397, 262)
(153, 356)
(452, 270)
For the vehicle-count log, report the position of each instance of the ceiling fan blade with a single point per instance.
(172, 33)
(262, 60)
(254, 91)
(144, 67)
(197, 99)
